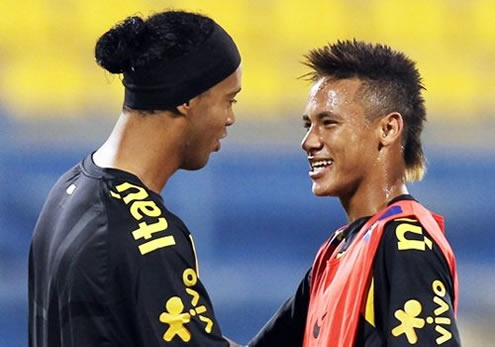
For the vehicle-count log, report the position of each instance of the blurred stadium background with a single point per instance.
(257, 225)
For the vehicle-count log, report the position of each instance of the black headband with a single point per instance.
(178, 81)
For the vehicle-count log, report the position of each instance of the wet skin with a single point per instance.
(348, 155)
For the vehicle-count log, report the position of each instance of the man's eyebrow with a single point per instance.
(328, 114)
(321, 115)
(234, 92)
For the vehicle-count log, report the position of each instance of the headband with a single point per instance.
(178, 81)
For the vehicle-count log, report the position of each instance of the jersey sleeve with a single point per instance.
(155, 296)
(286, 327)
(412, 289)
(172, 305)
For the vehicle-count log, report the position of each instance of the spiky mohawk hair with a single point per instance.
(391, 83)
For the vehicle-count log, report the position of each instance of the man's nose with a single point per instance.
(311, 141)
(230, 119)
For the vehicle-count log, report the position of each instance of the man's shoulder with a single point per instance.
(63, 184)
(129, 200)
(138, 217)
(407, 244)
(407, 234)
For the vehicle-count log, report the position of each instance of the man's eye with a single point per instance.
(233, 101)
(306, 125)
(329, 122)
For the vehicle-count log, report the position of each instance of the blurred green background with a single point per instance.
(256, 223)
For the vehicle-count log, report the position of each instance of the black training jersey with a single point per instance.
(410, 300)
(109, 265)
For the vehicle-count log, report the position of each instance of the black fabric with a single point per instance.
(97, 279)
(353, 229)
(407, 276)
(175, 82)
(398, 276)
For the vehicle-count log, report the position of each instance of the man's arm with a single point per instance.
(413, 289)
(157, 298)
(173, 307)
(286, 327)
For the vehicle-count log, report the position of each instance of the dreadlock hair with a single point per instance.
(390, 83)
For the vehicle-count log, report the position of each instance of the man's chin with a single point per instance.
(319, 192)
(322, 191)
(197, 165)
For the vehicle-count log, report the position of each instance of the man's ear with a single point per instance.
(391, 128)
(184, 108)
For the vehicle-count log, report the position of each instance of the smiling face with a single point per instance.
(208, 116)
(341, 143)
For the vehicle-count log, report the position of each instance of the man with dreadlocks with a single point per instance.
(388, 277)
(109, 264)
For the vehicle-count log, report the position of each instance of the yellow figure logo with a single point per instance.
(409, 321)
(175, 318)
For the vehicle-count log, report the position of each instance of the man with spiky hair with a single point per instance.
(388, 277)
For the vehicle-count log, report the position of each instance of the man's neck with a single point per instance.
(369, 202)
(147, 148)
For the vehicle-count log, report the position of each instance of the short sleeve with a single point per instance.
(155, 296)
(413, 289)
(172, 305)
